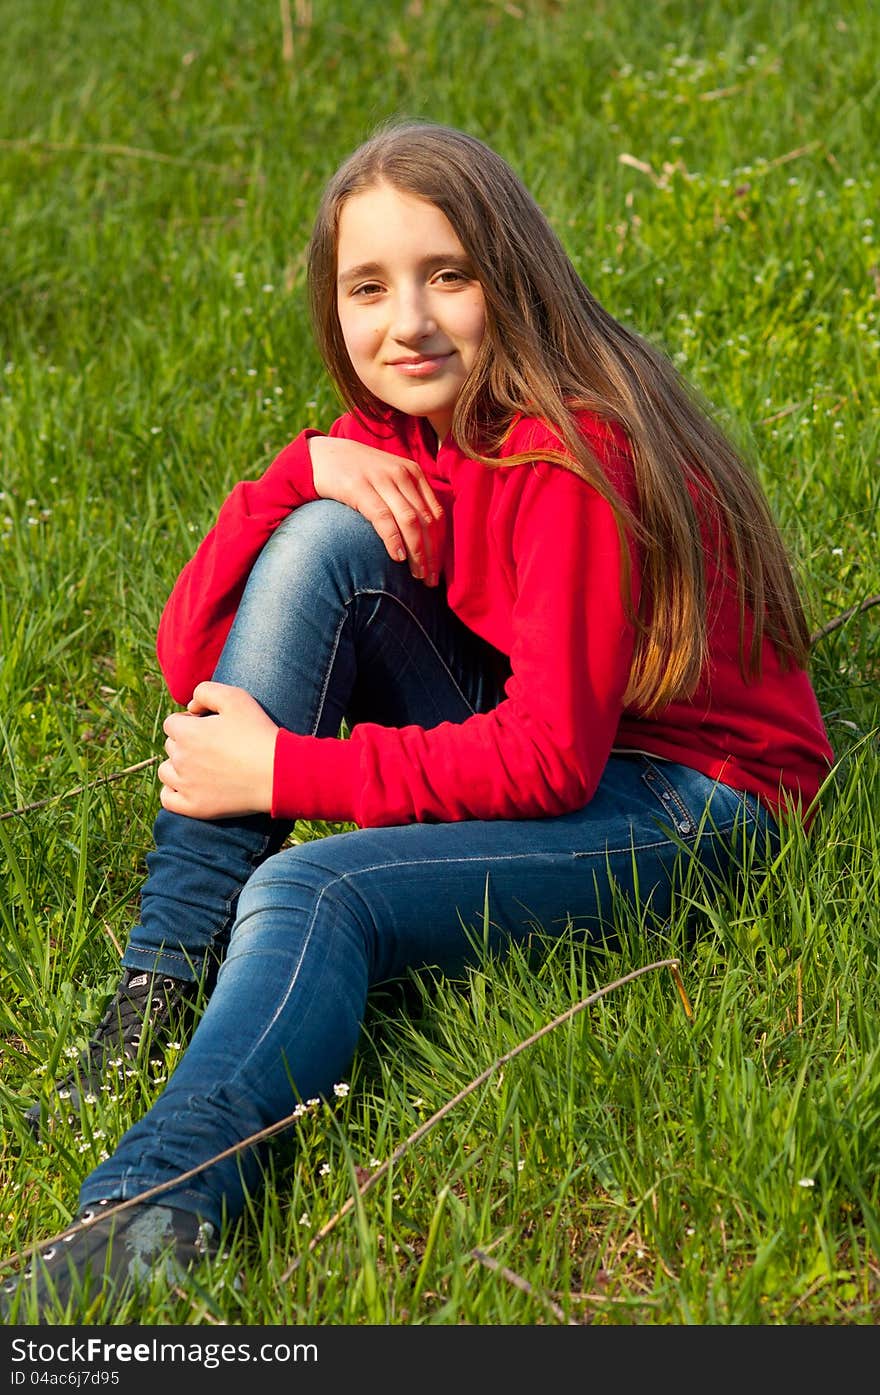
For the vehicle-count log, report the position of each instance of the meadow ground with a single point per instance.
(712, 169)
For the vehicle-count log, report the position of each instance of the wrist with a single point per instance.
(319, 449)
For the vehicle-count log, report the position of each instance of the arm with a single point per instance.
(386, 487)
(543, 749)
(224, 767)
(392, 492)
(199, 612)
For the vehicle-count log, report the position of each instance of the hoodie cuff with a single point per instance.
(314, 777)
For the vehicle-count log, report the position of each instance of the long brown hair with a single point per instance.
(551, 349)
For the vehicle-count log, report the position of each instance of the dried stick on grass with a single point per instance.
(523, 1285)
(80, 789)
(286, 32)
(468, 1090)
(398, 1153)
(839, 620)
(128, 152)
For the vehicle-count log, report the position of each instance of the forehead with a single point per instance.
(382, 222)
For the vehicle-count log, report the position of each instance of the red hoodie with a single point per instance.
(532, 565)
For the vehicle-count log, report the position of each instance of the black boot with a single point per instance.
(115, 1253)
(145, 1012)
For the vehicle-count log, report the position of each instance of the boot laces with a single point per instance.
(140, 1000)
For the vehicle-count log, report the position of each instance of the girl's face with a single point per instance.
(411, 312)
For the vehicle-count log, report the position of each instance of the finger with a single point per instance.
(433, 517)
(208, 696)
(167, 774)
(432, 504)
(370, 504)
(172, 800)
(411, 470)
(392, 500)
(172, 725)
(414, 523)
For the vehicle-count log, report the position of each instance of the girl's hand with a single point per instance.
(392, 493)
(219, 766)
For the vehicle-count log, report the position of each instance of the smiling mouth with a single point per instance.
(421, 364)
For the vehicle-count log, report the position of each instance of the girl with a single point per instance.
(549, 602)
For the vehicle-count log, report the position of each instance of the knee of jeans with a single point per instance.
(291, 891)
(325, 533)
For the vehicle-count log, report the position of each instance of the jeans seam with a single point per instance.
(334, 650)
(290, 985)
(390, 596)
(485, 858)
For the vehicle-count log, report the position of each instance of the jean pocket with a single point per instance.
(669, 798)
(699, 806)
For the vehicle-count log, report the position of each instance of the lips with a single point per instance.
(420, 365)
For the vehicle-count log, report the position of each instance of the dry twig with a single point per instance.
(286, 32)
(263, 1134)
(79, 789)
(468, 1090)
(839, 620)
(523, 1285)
(131, 152)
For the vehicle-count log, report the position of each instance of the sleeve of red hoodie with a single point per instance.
(543, 749)
(198, 614)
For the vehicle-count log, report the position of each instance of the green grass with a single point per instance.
(159, 169)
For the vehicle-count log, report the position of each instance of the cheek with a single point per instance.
(477, 330)
(475, 338)
(360, 340)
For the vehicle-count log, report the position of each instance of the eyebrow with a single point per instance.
(435, 259)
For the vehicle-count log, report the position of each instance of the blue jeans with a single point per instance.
(329, 629)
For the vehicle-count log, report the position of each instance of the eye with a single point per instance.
(450, 275)
(366, 288)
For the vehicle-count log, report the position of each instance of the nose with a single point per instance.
(412, 320)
